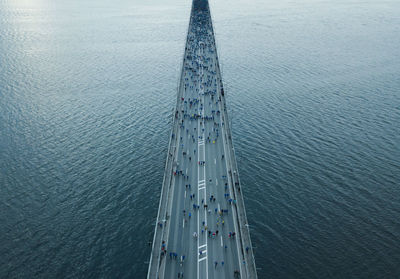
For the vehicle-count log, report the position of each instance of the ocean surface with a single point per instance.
(87, 90)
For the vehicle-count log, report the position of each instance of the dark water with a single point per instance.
(86, 93)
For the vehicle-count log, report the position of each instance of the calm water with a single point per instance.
(86, 93)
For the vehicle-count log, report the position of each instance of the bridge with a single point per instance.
(201, 229)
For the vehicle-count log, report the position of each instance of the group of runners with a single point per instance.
(199, 116)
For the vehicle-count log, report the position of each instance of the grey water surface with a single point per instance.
(87, 89)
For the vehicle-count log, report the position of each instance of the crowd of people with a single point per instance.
(199, 116)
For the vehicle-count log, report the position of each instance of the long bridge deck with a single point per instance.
(201, 229)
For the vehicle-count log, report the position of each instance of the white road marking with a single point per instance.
(222, 244)
(202, 246)
(186, 170)
(202, 259)
(201, 143)
(216, 182)
(183, 224)
(185, 194)
(215, 160)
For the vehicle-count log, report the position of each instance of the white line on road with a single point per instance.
(216, 182)
(202, 246)
(183, 224)
(201, 143)
(185, 194)
(202, 259)
(222, 244)
(215, 160)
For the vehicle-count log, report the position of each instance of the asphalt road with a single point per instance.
(201, 197)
